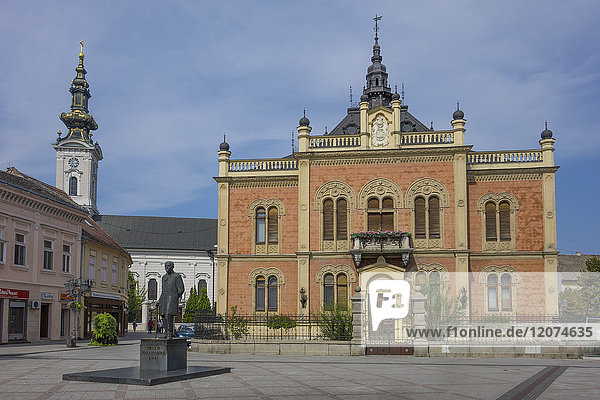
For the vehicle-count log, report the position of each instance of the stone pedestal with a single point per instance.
(163, 354)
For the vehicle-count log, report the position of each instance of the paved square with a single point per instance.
(35, 372)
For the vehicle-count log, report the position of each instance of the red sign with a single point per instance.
(66, 297)
(14, 293)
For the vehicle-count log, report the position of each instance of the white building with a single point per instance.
(151, 241)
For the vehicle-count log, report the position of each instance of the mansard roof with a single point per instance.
(161, 233)
(350, 124)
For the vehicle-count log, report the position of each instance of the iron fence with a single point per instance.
(273, 327)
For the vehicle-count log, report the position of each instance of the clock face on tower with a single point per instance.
(73, 162)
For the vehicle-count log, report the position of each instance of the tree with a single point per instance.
(191, 306)
(585, 300)
(105, 330)
(136, 297)
(204, 303)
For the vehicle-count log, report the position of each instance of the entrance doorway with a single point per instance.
(65, 322)
(16, 320)
(44, 319)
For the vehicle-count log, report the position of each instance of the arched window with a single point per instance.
(492, 290)
(152, 289)
(328, 219)
(272, 296)
(434, 217)
(505, 284)
(504, 217)
(328, 291)
(260, 294)
(273, 229)
(341, 219)
(72, 186)
(490, 221)
(342, 291)
(380, 218)
(420, 230)
(201, 285)
(260, 225)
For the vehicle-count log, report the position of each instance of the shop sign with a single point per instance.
(66, 297)
(14, 293)
(106, 295)
(47, 296)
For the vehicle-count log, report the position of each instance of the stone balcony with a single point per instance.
(388, 244)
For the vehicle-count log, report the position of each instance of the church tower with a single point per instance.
(77, 155)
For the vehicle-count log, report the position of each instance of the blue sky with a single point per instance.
(169, 78)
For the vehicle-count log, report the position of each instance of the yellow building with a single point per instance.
(105, 264)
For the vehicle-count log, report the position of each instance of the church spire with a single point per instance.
(79, 121)
(377, 89)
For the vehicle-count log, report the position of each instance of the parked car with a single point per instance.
(185, 331)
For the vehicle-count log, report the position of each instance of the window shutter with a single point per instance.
(272, 294)
(342, 291)
(342, 219)
(492, 290)
(506, 282)
(388, 203)
(420, 218)
(490, 222)
(260, 294)
(328, 219)
(387, 221)
(504, 221)
(434, 217)
(273, 232)
(373, 203)
(328, 295)
(373, 221)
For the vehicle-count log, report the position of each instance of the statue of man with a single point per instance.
(168, 303)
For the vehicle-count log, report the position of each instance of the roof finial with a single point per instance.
(351, 96)
(305, 113)
(377, 18)
(546, 124)
(457, 106)
(402, 93)
(224, 137)
(81, 51)
(326, 130)
(431, 125)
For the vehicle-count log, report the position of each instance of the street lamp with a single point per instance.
(76, 288)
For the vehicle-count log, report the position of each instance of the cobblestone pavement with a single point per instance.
(35, 372)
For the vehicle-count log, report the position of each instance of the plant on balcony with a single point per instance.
(379, 234)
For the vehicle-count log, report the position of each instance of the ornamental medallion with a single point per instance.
(380, 132)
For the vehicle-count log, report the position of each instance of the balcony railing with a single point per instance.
(317, 142)
(381, 241)
(263, 165)
(420, 138)
(522, 156)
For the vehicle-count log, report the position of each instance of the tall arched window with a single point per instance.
(335, 219)
(380, 218)
(260, 294)
(341, 219)
(434, 217)
(328, 291)
(260, 225)
(72, 186)
(504, 217)
(272, 296)
(492, 291)
(152, 289)
(201, 285)
(273, 226)
(328, 219)
(490, 221)
(505, 285)
(342, 291)
(420, 230)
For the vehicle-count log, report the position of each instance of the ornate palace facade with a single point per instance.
(287, 228)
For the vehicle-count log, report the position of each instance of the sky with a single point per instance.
(168, 79)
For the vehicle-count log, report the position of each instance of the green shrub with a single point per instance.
(105, 330)
(281, 321)
(336, 323)
(237, 327)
